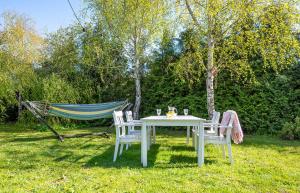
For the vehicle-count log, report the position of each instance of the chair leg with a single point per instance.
(149, 138)
(154, 135)
(196, 142)
(188, 135)
(130, 128)
(193, 139)
(230, 153)
(121, 149)
(116, 151)
(223, 150)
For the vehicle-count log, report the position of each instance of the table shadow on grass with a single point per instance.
(184, 161)
(182, 148)
(130, 158)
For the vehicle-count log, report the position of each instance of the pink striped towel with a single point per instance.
(236, 133)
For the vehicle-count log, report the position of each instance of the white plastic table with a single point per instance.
(179, 120)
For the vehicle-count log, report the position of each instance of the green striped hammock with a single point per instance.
(85, 111)
(75, 111)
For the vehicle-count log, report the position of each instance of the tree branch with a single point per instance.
(239, 18)
(192, 14)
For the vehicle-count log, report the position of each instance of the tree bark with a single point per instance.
(19, 98)
(210, 58)
(137, 76)
(210, 66)
(138, 95)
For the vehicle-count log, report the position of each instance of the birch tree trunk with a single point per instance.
(137, 77)
(210, 66)
(210, 57)
(19, 98)
(138, 95)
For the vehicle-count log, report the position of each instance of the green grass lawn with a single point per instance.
(31, 161)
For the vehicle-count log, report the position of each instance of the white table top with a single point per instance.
(178, 117)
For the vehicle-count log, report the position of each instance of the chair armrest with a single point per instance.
(133, 123)
(224, 126)
(227, 132)
(126, 124)
(137, 121)
(207, 121)
(210, 124)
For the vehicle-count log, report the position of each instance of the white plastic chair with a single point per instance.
(135, 123)
(121, 136)
(211, 124)
(217, 138)
(138, 123)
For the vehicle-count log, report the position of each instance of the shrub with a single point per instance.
(291, 130)
(56, 89)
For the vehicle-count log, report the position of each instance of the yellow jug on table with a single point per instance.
(172, 112)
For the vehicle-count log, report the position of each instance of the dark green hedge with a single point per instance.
(263, 106)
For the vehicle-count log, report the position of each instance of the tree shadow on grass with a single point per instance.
(130, 158)
(42, 138)
(32, 139)
(270, 142)
(30, 135)
(22, 160)
(70, 156)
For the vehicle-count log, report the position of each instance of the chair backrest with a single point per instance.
(215, 120)
(118, 117)
(129, 117)
(119, 123)
(230, 124)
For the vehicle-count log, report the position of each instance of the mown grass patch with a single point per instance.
(32, 161)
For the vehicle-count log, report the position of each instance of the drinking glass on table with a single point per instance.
(158, 111)
(186, 112)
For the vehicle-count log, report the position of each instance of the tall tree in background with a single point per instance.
(136, 24)
(90, 62)
(20, 48)
(247, 28)
(103, 59)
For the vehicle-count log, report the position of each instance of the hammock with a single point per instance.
(73, 111)
(85, 111)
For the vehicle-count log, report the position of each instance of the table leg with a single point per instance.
(188, 131)
(154, 134)
(144, 145)
(200, 148)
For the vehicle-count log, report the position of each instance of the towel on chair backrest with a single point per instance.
(236, 133)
